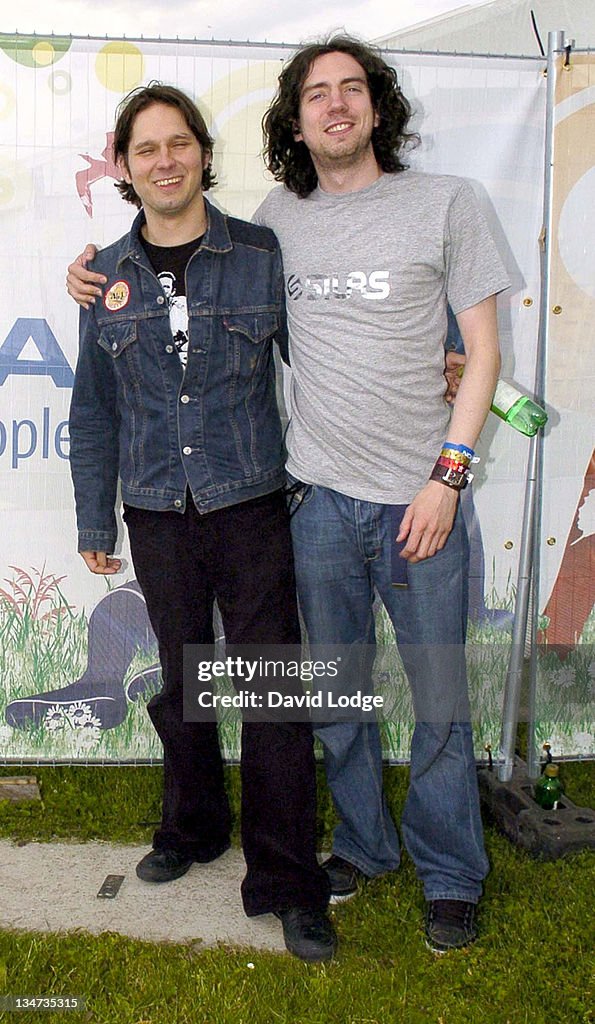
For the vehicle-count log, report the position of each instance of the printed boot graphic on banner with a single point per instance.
(118, 629)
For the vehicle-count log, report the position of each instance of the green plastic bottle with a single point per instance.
(517, 409)
(548, 788)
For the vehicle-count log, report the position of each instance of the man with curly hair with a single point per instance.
(372, 255)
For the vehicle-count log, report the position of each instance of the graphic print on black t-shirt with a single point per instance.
(169, 263)
(178, 313)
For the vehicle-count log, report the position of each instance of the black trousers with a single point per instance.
(242, 556)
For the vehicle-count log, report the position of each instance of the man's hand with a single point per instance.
(82, 284)
(101, 563)
(428, 521)
(454, 364)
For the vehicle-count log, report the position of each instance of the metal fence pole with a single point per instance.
(556, 44)
(528, 572)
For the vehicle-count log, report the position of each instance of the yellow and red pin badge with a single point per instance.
(117, 297)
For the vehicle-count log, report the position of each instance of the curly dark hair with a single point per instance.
(137, 101)
(289, 160)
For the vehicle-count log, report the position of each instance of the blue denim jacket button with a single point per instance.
(178, 503)
(115, 346)
(185, 399)
(169, 348)
(160, 300)
(187, 450)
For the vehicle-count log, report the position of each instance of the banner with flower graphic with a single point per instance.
(78, 656)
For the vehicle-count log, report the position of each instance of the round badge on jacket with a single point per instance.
(117, 297)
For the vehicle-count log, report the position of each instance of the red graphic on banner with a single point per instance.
(98, 168)
(571, 601)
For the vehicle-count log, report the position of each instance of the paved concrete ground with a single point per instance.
(53, 887)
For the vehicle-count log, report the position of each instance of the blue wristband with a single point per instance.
(459, 448)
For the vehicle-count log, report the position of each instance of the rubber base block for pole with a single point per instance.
(544, 834)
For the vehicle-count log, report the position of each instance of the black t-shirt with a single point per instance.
(169, 263)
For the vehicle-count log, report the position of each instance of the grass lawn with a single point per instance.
(530, 965)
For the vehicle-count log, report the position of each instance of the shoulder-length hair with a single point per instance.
(289, 160)
(137, 101)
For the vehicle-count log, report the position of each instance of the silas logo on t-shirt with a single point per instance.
(374, 286)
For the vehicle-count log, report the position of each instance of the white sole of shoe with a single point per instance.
(336, 899)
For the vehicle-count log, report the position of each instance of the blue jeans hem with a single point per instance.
(452, 894)
(366, 867)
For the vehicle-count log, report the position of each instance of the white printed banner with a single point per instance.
(79, 660)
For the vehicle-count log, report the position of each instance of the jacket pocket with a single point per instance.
(256, 327)
(116, 337)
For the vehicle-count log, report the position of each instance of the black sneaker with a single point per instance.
(308, 933)
(450, 924)
(344, 878)
(163, 865)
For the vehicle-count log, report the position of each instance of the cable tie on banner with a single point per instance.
(536, 31)
(568, 44)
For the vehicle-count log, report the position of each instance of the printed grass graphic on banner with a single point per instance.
(43, 645)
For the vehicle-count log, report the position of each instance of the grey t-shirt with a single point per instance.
(368, 274)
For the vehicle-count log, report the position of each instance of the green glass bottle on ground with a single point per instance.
(518, 409)
(548, 788)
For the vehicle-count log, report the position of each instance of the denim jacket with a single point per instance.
(212, 428)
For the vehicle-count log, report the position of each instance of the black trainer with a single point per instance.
(450, 924)
(344, 878)
(308, 933)
(163, 865)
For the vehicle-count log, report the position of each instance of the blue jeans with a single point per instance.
(342, 550)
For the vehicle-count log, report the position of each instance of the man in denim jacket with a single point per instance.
(190, 427)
